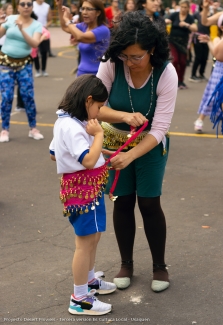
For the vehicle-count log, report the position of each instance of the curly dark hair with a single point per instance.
(136, 28)
(74, 100)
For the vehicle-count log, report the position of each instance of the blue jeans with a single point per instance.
(24, 79)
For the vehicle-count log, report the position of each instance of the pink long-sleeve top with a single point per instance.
(166, 95)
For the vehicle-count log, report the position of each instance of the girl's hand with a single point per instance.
(134, 119)
(93, 127)
(122, 160)
(52, 157)
(19, 24)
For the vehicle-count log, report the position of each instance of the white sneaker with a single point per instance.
(198, 125)
(4, 136)
(102, 287)
(35, 134)
(89, 305)
(45, 74)
(19, 109)
(38, 74)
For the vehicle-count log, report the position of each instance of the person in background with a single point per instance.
(34, 53)
(161, 8)
(44, 14)
(129, 5)
(74, 8)
(182, 25)
(92, 34)
(150, 9)
(201, 49)
(205, 107)
(22, 34)
(193, 7)
(174, 7)
(7, 10)
(113, 13)
(212, 20)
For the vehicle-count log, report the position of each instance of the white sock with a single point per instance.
(91, 275)
(80, 291)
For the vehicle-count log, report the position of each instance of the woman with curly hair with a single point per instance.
(142, 86)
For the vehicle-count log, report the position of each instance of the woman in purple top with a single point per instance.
(92, 34)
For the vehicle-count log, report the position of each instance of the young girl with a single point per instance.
(76, 147)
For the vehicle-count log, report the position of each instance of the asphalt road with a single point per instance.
(37, 242)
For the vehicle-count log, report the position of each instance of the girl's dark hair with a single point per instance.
(74, 100)
(135, 28)
(98, 4)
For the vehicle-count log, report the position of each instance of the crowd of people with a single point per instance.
(122, 51)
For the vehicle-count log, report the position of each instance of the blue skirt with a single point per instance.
(215, 77)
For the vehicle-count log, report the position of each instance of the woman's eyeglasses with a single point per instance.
(28, 4)
(88, 9)
(134, 59)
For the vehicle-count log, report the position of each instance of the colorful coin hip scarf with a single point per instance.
(114, 138)
(80, 191)
(13, 63)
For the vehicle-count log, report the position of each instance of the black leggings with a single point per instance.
(201, 55)
(44, 49)
(154, 226)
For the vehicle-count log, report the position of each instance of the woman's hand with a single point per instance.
(183, 24)
(19, 24)
(134, 119)
(122, 160)
(73, 41)
(93, 127)
(203, 38)
(66, 13)
(117, 16)
(3, 19)
(207, 3)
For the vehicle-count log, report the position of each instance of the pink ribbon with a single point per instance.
(117, 173)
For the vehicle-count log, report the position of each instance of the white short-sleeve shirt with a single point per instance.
(69, 142)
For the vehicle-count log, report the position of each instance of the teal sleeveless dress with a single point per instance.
(145, 174)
